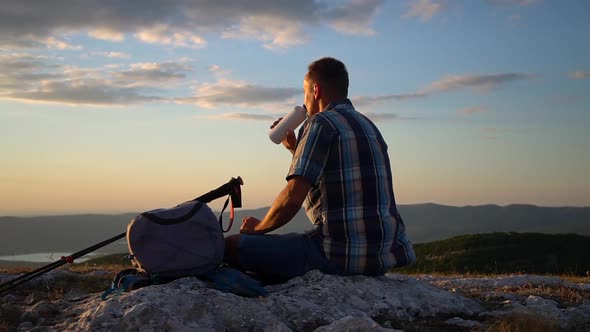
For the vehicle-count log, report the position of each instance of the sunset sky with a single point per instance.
(125, 106)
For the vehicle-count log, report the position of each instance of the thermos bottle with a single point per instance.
(289, 122)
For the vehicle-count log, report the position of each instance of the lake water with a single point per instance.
(46, 257)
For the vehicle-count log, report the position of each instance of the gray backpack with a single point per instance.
(184, 240)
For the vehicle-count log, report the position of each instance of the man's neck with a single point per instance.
(325, 102)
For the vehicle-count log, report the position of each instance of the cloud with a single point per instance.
(118, 55)
(181, 23)
(52, 42)
(363, 101)
(512, 2)
(377, 117)
(31, 78)
(111, 55)
(580, 74)
(424, 9)
(83, 92)
(49, 42)
(107, 34)
(153, 74)
(274, 32)
(18, 70)
(355, 18)
(170, 35)
(218, 71)
(243, 116)
(472, 110)
(482, 82)
(226, 92)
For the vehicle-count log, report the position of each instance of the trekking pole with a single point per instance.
(64, 260)
(232, 187)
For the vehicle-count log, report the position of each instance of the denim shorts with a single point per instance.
(284, 256)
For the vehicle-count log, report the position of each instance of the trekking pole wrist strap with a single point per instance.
(229, 201)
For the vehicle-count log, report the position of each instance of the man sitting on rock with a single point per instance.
(341, 171)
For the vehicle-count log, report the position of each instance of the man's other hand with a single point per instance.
(249, 225)
(290, 141)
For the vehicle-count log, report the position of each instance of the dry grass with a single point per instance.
(89, 284)
(522, 323)
(492, 300)
(576, 279)
(111, 268)
(566, 296)
(568, 277)
(62, 285)
(18, 269)
(80, 268)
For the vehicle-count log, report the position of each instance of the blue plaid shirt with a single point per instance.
(343, 155)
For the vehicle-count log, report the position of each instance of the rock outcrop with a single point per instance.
(314, 302)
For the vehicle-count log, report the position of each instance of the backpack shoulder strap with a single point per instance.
(230, 280)
(127, 280)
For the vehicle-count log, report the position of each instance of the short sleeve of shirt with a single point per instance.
(313, 149)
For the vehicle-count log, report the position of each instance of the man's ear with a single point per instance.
(316, 90)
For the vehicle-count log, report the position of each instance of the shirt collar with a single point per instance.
(336, 103)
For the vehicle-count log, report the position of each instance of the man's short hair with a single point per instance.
(331, 74)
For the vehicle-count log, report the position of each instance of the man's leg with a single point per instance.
(231, 252)
(275, 257)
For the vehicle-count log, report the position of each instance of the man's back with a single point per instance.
(344, 155)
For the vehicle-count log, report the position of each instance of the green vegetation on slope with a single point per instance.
(498, 253)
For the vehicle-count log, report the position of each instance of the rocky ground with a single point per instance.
(69, 301)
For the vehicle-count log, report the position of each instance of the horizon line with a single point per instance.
(66, 214)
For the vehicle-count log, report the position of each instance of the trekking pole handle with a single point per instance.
(223, 190)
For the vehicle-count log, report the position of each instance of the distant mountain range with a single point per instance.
(424, 223)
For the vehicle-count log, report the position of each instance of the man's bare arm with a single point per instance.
(285, 206)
